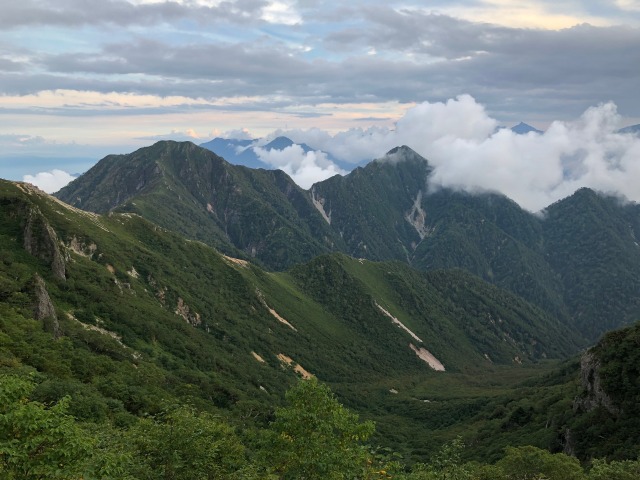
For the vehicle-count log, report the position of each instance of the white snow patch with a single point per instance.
(398, 323)
(428, 357)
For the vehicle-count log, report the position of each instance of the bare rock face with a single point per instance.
(568, 447)
(41, 241)
(594, 396)
(183, 310)
(43, 309)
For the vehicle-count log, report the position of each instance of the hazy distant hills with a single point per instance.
(243, 152)
(523, 128)
(580, 261)
(635, 129)
(235, 151)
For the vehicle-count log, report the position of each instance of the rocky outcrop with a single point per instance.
(568, 446)
(417, 217)
(319, 202)
(41, 241)
(43, 309)
(183, 310)
(594, 396)
(81, 248)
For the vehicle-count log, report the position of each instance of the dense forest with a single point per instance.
(312, 436)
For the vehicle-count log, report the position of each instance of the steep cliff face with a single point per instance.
(43, 308)
(606, 412)
(594, 395)
(41, 241)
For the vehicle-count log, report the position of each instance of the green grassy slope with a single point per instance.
(146, 317)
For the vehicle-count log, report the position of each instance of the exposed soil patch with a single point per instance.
(288, 361)
(428, 357)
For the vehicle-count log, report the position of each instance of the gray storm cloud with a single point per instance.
(460, 141)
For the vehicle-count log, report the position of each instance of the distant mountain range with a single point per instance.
(520, 129)
(579, 262)
(243, 152)
(523, 128)
(169, 276)
(635, 129)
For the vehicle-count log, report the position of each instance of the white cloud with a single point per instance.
(633, 5)
(305, 168)
(420, 127)
(189, 135)
(352, 146)
(281, 12)
(239, 134)
(459, 140)
(49, 181)
(536, 170)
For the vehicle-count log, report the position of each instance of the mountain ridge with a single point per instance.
(382, 211)
(145, 315)
(243, 152)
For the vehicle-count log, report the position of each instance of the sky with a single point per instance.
(80, 79)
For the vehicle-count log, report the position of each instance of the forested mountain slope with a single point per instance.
(259, 214)
(127, 317)
(122, 291)
(579, 260)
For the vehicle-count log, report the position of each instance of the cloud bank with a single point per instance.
(461, 142)
(305, 168)
(49, 182)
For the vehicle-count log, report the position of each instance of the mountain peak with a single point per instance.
(524, 128)
(279, 143)
(400, 149)
(243, 152)
(402, 153)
